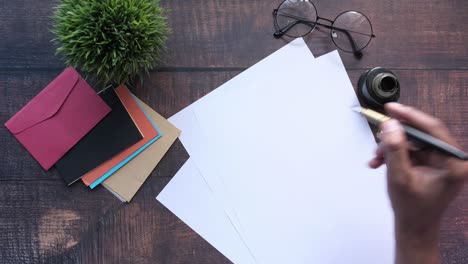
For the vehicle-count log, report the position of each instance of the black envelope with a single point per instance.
(115, 133)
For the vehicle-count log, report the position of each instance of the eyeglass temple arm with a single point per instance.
(357, 53)
(280, 32)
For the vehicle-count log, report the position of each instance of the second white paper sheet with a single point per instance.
(189, 197)
(291, 157)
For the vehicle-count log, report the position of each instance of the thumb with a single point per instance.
(395, 148)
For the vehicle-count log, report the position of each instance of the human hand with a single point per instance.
(421, 182)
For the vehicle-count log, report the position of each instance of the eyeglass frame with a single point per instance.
(283, 31)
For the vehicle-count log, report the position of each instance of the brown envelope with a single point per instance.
(127, 180)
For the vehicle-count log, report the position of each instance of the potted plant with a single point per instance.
(111, 40)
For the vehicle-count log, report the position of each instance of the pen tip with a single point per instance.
(357, 109)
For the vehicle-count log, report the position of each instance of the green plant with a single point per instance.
(112, 40)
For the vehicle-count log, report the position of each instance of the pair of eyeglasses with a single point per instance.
(350, 31)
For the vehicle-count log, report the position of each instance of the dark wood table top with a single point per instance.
(42, 221)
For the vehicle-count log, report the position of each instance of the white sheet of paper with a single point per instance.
(189, 136)
(188, 196)
(297, 182)
(185, 120)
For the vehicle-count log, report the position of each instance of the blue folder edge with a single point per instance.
(134, 154)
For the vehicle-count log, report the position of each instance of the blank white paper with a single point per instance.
(291, 158)
(323, 253)
(188, 196)
(185, 120)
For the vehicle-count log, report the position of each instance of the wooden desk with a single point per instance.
(43, 221)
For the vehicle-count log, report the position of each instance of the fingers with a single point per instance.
(459, 169)
(395, 151)
(420, 120)
(378, 160)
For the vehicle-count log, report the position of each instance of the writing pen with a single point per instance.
(377, 118)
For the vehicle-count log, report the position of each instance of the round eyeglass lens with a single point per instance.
(352, 31)
(296, 18)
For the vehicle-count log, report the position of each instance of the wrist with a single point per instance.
(417, 233)
(417, 245)
(417, 239)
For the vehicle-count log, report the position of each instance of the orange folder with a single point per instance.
(142, 122)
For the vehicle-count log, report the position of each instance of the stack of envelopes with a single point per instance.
(278, 167)
(111, 138)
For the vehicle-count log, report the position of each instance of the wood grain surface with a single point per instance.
(43, 221)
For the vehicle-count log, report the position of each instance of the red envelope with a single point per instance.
(58, 117)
